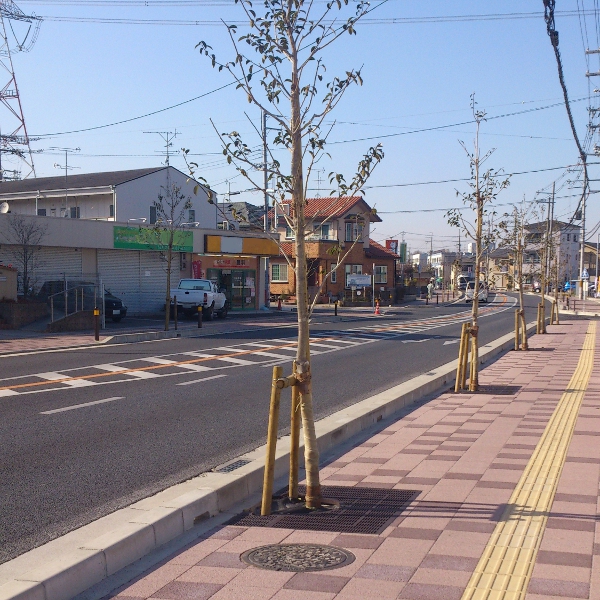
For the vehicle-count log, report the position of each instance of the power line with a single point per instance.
(43, 135)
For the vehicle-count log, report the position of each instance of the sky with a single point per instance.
(99, 62)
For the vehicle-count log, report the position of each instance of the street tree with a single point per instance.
(165, 234)
(278, 65)
(485, 185)
(25, 234)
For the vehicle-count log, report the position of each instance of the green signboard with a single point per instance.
(137, 238)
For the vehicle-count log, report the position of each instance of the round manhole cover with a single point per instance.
(297, 557)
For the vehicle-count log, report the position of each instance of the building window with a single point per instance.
(289, 234)
(380, 274)
(574, 237)
(568, 237)
(152, 215)
(325, 232)
(192, 216)
(111, 210)
(333, 273)
(279, 273)
(41, 212)
(75, 212)
(354, 232)
(352, 270)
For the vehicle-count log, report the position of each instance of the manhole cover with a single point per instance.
(351, 510)
(297, 557)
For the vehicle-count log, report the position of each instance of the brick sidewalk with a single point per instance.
(466, 453)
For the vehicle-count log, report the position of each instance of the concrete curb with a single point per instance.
(69, 565)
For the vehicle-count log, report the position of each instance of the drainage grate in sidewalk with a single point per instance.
(232, 466)
(350, 510)
(499, 390)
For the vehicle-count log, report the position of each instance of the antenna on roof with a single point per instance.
(168, 137)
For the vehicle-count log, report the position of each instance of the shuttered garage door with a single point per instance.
(137, 277)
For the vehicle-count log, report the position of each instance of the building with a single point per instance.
(340, 227)
(119, 196)
(104, 228)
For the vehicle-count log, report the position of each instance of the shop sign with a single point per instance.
(133, 238)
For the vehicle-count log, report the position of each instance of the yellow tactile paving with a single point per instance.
(505, 567)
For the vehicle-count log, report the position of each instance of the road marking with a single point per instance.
(73, 382)
(4, 393)
(228, 359)
(505, 567)
(416, 341)
(200, 380)
(451, 342)
(76, 406)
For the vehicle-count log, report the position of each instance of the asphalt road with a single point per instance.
(85, 432)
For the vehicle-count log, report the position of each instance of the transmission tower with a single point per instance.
(14, 140)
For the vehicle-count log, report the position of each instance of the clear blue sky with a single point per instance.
(417, 75)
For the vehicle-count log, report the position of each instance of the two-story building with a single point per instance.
(338, 231)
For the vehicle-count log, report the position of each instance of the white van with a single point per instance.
(483, 292)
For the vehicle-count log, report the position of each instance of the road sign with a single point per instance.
(585, 274)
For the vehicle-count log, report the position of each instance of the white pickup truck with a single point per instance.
(194, 293)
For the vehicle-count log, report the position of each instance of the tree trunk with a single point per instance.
(311, 450)
(521, 296)
(474, 379)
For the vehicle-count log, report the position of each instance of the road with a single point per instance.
(88, 431)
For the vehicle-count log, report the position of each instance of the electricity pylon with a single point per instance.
(14, 140)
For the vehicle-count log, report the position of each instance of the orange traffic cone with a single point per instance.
(279, 304)
(377, 312)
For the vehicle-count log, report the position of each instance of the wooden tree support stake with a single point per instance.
(517, 332)
(271, 442)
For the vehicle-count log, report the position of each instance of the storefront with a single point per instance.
(236, 275)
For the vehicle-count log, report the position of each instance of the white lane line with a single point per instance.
(131, 373)
(197, 368)
(159, 361)
(319, 345)
(76, 406)
(236, 361)
(8, 393)
(62, 378)
(277, 356)
(201, 380)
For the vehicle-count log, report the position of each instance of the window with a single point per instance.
(380, 274)
(325, 232)
(352, 270)
(354, 232)
(41, 212)
(192, 216)
(574, 237)
(333, 273)
(75, 212)
(111, 210)
(279, 273)
(289, 234)
(568, 237)
(152, 215)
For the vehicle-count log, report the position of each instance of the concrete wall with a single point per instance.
(8, 284)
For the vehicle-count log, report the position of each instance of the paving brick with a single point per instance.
(316, 582)
(182, 590)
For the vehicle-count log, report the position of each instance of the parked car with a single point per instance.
(53, 292)
(470, 291)
(461, 282)
(193, 294)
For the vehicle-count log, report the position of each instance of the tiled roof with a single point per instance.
(320, 208)
(287, 247)
(82, 180)
(376, 250)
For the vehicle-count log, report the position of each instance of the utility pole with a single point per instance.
(266, 217)
(66, 167)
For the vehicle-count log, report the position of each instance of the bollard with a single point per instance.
(437, 298)
(175, 311)
(516, 329)
(295, 423)
(427, 300)
(199, 317)
(97, 324)
(335, 306)
(267, 496)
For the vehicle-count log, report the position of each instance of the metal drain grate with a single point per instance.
(360, 510)
(499, 390)
(232, 466)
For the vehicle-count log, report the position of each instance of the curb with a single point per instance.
(69, 565)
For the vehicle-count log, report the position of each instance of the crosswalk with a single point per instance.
(213, 361)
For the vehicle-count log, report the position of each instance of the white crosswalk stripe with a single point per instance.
(243, 354)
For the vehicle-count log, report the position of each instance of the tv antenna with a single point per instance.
(12, 40)
(168, 137)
